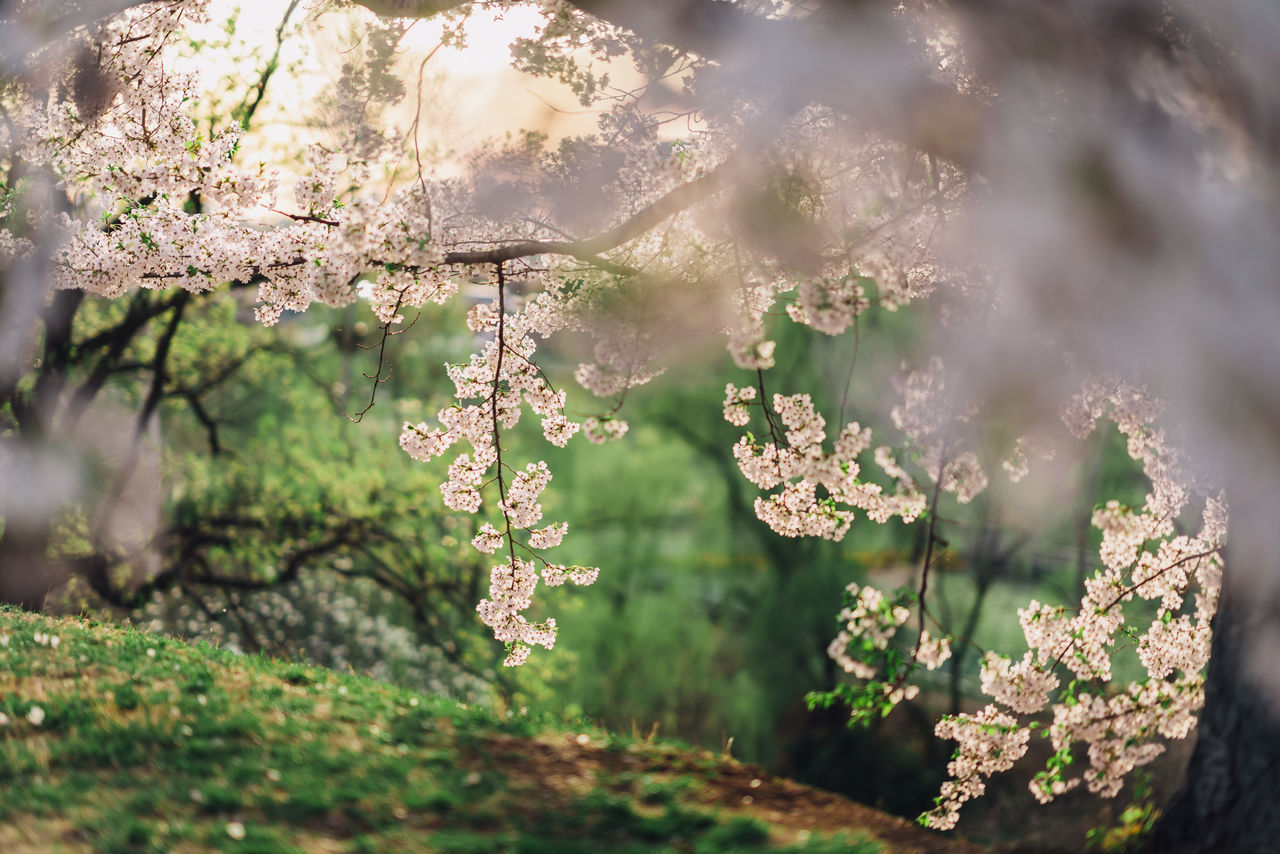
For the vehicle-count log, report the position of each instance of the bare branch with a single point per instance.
(588, 250)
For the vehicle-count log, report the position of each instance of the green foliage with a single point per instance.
(1136, 821)
(893, 663)
(336, 548)
(703, 623)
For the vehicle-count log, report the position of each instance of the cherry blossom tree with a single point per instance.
(1079, 199)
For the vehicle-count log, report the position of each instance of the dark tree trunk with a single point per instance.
(1230, 801)
(25, 577)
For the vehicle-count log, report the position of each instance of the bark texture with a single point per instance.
(24, 571)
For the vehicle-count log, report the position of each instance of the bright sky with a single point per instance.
(469, 95)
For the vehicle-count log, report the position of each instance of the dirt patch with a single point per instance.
(570, 764)
(34, 835)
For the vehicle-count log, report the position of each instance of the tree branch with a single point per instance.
(588, 250)
(245, 111)
(116, 340)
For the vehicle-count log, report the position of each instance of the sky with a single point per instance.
(469, 94)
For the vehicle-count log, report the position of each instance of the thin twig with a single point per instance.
(844, 399)
(1126, 592)
(377, 376)
(493, 408)
(931, 538)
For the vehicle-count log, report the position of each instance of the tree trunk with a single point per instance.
(24, 571)
(1230, 800)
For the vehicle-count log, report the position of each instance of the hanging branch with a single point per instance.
(932, 538)
(378, 376)
(493, 409)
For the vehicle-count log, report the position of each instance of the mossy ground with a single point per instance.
(116, 740)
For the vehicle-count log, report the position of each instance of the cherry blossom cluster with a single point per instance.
(960, 473)
(148, 233)
(511, 587)
(1016, 465)
(502, 379)
(736, 401)
(748, 345)
(924, 413)
(1121, 732)
(990, 742)
(872, 621)
(1143, 556)
(795, 459)
(161, 202)
(864, 648)
(158, 201)
(491, 391)
(130, 102)
(828, 304)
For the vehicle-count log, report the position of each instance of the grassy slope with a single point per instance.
(116, 740)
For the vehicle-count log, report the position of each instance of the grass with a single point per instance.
(115, 740)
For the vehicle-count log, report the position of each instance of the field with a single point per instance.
(116, 740)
